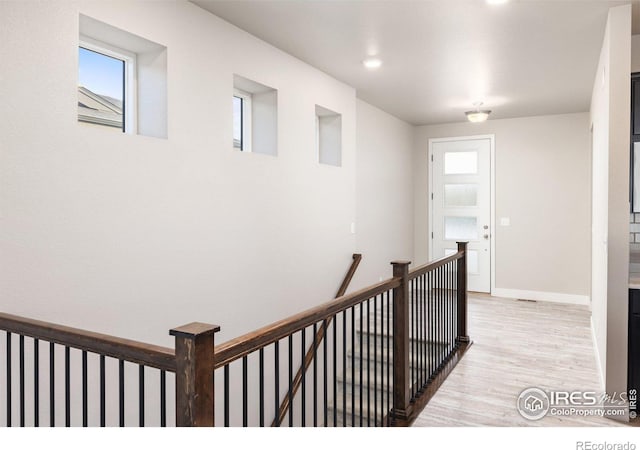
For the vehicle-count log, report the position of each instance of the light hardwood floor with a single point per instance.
(516, 345)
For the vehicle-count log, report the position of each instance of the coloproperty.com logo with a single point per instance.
(534, 403)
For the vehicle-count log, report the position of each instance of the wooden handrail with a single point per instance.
(308, 357)
(162, 358)
(421, 270)
(357, 257)
(250, 342)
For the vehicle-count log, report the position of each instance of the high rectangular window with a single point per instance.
(241, 120)
(122, 80)
(102, 87)
(255, 117)
(328, 136)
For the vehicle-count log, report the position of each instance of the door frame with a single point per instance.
(492, 196)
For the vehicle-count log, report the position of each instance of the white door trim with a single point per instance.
(492, 187)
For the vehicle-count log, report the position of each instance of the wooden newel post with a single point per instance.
(463, 335)
(194, 374)
(401, 373)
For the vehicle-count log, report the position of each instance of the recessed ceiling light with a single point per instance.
(496, 2)
(372, 63)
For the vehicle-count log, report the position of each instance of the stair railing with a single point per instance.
(385, 350)
(313, 348)
(41, 344)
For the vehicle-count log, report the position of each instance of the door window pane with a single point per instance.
(460, 228)
(460, 163)
(456, 195)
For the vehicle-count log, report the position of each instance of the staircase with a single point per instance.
(376, 362)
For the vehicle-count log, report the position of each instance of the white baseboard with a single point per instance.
(553, 297)
(597, 353)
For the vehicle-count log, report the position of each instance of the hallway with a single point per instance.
(517, 345)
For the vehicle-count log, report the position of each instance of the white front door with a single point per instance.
(460, 197)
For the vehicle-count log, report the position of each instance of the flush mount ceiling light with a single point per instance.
(477, 115)
(372, 63)
(496, 2)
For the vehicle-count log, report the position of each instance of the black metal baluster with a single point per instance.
(276, 353)
(52, 387)
(443, 313)
(389, 357)
(245, 393)
(446, 310)
(141, 394)
(375, 358)
(163, 398)
(448, 318)
(290, 390)
(335, 371)
(427, 342)
(419, 341)
(368, 362)
(385, 356)
(8, 379)
(121, 390)
(449, 306)
(412, 348)
(21, 360)
(360, 339)
(353, 367)
(226, 396)
(413, 359)
(36, 383)
(425, 324)
(103, 403)
(303, 405)
(261, 387)
(431, 347)
(455, 303)
(344, 368)
(452, 303)
(419, 337)
(325, 381)
(85, 404)
(67, 386)
(438, 317)
(315, 374)
(441, 321)
(453, 306)
(445, 325)
(427, 331)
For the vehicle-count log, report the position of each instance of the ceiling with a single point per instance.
(522, 58)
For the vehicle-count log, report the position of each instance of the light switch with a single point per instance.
(353, 228)
(505, 221)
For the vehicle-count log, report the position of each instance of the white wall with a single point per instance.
(610, 112)
(542, 185)
(384, 214)
(132, 235)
